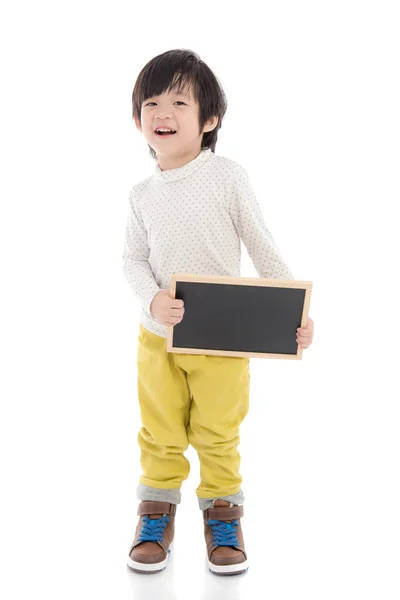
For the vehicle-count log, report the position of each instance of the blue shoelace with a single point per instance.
(223, 533)
(153, 529)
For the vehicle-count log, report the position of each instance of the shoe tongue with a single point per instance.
(154, 516)
(222, 504)
(219, 503)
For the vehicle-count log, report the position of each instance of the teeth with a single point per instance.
(162, 129)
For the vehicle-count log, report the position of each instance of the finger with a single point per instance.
(303, 344)
(177, 315)
(304, 336)
(173, 320)
(177, 303)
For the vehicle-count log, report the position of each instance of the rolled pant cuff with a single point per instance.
(145, 492)
(205, 503)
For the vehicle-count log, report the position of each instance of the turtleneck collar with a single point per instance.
(182, 172)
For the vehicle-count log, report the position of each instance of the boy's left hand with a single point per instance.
(304, 335)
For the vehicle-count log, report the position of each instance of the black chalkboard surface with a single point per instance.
(239, 316)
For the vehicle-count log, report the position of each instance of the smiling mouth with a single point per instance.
(165, 133)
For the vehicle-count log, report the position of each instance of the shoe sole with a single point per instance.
(228, 569)
(149, 567)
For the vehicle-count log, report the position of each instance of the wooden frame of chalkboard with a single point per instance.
(259, 318)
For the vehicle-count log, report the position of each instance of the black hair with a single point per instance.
(177, 70)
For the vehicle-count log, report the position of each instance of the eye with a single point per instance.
(148, 104)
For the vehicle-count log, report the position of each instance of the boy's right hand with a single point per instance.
(167, 310)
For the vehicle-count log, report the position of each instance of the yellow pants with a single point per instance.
(189, 398)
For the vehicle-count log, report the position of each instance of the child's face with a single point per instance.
(173, 110)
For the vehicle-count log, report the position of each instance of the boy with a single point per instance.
(189, 216)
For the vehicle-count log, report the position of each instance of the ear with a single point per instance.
(137, 123)
(210, 124)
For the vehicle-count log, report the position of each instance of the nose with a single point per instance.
(162, 114)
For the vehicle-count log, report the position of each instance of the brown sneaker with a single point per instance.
(224, 538)
(153, 537)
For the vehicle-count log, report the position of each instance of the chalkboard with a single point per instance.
(239, 316)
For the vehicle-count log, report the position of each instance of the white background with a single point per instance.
(313, 115)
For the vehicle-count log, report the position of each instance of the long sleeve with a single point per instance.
(136, 266)
(249, 222)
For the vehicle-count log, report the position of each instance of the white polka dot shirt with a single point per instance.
(190, 220)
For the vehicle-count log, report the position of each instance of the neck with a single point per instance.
(177, 160)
